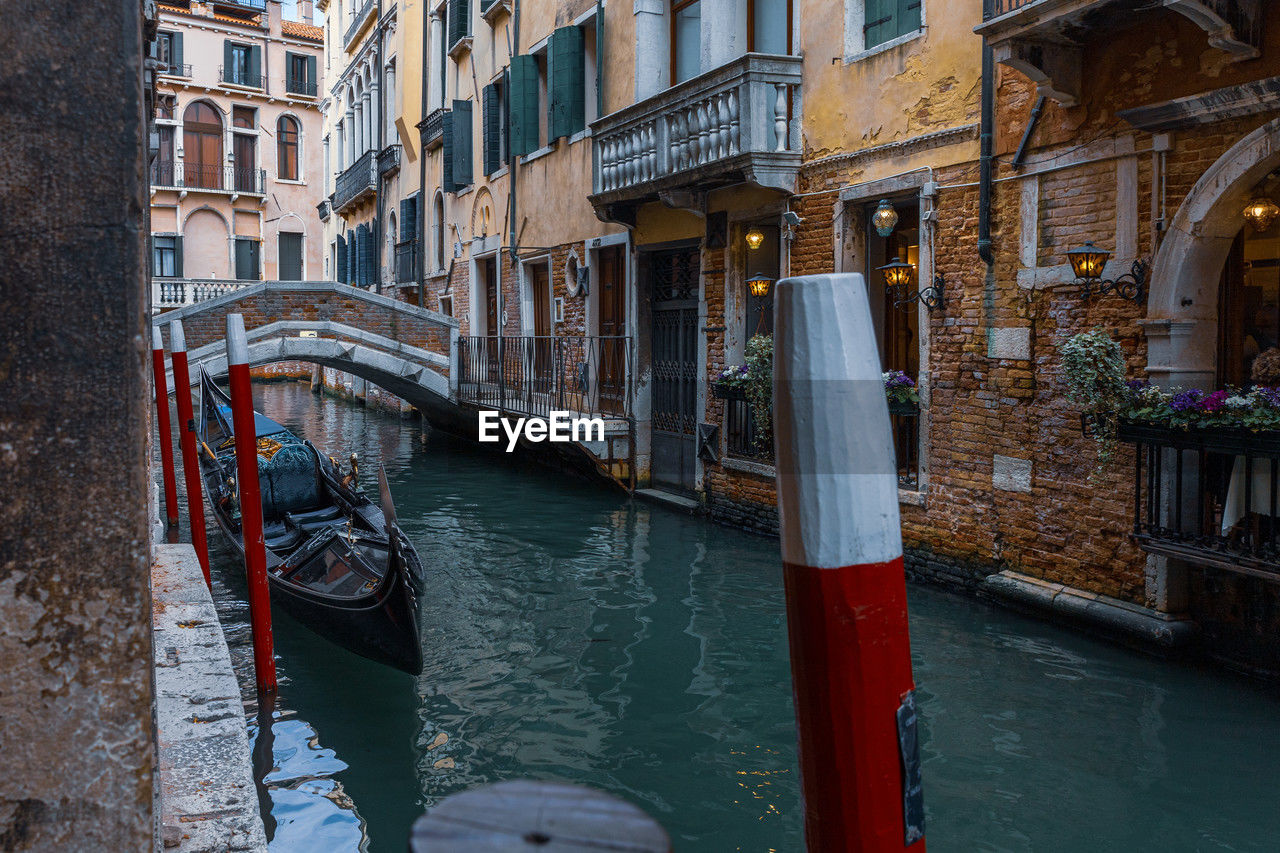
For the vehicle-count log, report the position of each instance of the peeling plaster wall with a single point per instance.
(75, 638)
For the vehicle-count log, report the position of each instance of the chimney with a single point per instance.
(306, 11)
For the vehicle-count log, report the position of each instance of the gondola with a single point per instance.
(335, 561)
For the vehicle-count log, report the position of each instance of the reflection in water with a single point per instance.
(570, 634)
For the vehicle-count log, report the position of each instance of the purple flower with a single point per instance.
(1214, 402)
(1137, 385)
(1270, 395)
(1187, 401)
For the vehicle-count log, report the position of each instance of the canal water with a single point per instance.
(572, 634)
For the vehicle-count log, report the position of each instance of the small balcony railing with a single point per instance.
(174, 70)
(323, 208)
(300, 86)
(389, 159)
(904, 426)
(407, 262)
(357, 23)
(534, 375)
(1207, 496)
(176, 292)
(356, 182)
(166, 174)
(1002, 7)
(237, 76)
(251, 5)
(728, 125)
(432, 128)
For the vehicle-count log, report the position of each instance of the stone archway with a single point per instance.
(1182, 310)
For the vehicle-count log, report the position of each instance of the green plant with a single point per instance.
(759, 386)
(1094, 365)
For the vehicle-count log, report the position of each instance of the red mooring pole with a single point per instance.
(255, 549)
(162, 422)
(187, 441)
(842, 566)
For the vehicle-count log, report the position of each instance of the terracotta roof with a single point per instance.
(300, 30)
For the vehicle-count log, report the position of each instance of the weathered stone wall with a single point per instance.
(75, 534)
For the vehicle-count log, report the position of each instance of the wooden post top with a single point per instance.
(542, 817)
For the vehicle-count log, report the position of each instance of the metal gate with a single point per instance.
(674, 280)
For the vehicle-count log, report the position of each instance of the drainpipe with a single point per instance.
(377, 146)
(511, 155)
(422, 162)
(987, 129)
(1026, 134)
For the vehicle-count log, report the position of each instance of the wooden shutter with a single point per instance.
(228, 60)
(409, 218)
(878, 22)
(151, 253)
(463, 131)
(459, 21)
(175, 51)
(177, 256)
(567, 82)
(313, 84)
(255, 66)
(522, 104)
(908, 16)
(492, 130)
(340, 274)
(446, 154)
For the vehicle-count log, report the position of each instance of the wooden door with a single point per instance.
(202, 147)
(539, 281)
(492, 320)
(612, 282)
(674, 280)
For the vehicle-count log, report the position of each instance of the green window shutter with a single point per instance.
(247, 259)
(177, 50)
(340, 274)
(255, 66)
(878, 22)
(228, 62)
(459, 21)
(446, 154)
(291, 83)
(177, 256)
(522, 104)
(492, 130)
(567, 83)
(908, 15)
(407, 210)
(463, 130)
(151, 252)
(313, 83)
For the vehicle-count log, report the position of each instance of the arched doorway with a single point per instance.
(1249, 297)
(202, 146)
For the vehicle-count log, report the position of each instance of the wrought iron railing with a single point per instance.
(904, 425)
(1003, 7)
(323, 208)
(743, 437)
(433, 128)
(357, 180)
(1207, 496)
(255, 5)
(389, 159)
(534, 375)
(176, 70)
(238, 76)
(300, 86)
(202, 176)
(407, 262)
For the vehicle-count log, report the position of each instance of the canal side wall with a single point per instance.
(207, 799)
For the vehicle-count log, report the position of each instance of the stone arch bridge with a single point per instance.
(410, 351)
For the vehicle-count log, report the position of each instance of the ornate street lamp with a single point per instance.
(1261, 212)
(897, 281)
(885, 219)
(759, 284)
(1088, 262)
(755, 238)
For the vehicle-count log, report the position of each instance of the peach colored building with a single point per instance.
(237, 168)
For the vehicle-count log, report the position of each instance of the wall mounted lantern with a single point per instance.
(1088, 262)
(885, 219)
(897, 281)
(1261, 212)
(758, 285)
(755, 238)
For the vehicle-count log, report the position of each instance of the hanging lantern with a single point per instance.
(897, 273)
(759, 285)
(885, 219)
(1087, 261)
(1261, 212)
(755, 237)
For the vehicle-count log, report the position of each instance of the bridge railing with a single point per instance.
(533, 375)
(176, 292)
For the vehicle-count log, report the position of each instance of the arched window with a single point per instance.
(287, 149)
(437, 232)
(202, 146)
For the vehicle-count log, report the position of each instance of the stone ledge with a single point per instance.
(206, 796)
(1111, 615)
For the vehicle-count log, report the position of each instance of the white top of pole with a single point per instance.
(157, 340)
(237, 345)
(837, 479)
(177, 340)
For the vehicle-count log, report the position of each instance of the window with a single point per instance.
(287, 149)
(766, 260)
(242, 64)
(495, 126)
(244, 150)
(389, 98)
(167, 48)
(458, 131)
(247, 253)
(876, 22)
(437, 232)
(300, 74)
(289, 267)
(162, 168)
(686, 39)
(459, 14)
(769, 26)
(202, 146)
(166, 255)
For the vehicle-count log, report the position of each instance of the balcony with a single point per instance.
(407, 262)
(356, 183)
(432, 128)
(389, 160)
(172, 70)
(300, 86)
(587, 375)
(728, 126)
(324, 209)
(235, 76)
(357, 24)
(1207, 496)
(240, 8)
(1042, 38)
(197, 177)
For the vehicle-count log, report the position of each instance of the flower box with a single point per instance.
(905, 408)
(1214, 439)
(721, 391)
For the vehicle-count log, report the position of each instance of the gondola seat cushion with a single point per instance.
(290, 481)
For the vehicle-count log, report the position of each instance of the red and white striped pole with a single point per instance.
(165, 428)
(187, 441)
(842, 565)
(255, 548)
